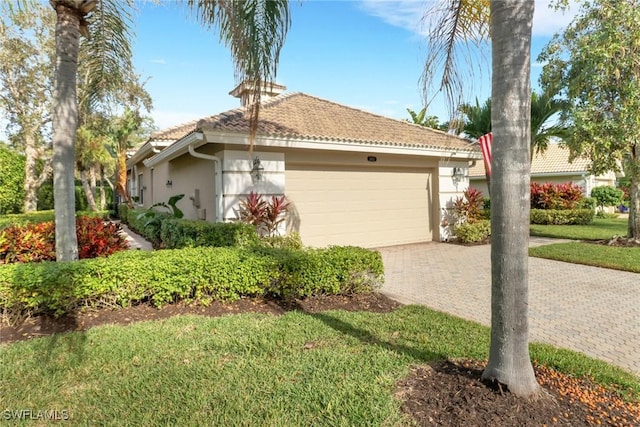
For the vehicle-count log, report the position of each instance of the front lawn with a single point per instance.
(329, 368)
(617, 258)
(600, 229)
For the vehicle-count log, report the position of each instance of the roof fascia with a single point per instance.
(353, 146)
(177, 149)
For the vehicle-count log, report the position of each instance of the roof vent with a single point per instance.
(267, 91)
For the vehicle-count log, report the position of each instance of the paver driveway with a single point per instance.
(592, 310)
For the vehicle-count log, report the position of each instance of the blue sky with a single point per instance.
(366, 54)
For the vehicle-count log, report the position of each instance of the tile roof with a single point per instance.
(554, 160)
(175, 132)
(306, 117)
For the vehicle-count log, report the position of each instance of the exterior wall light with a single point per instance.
(169, 183)
(257, 171)
(458, 174)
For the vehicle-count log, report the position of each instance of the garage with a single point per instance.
(356, 205)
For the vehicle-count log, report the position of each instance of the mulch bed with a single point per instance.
(444, 393)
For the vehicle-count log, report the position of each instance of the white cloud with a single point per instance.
(408, 14)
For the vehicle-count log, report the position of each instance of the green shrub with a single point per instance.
(562, 217)
(588, 203)
(182, 233)
(123, 212)
(194, 274)
(43, 216)
(12, 167)
(607, 195)
(150, 230)
(290, 241)
(473, 232)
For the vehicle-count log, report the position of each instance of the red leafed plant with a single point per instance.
(265, 216)
(27, 243)
(98, 238)
(469, 207)
(555, 196)
(36, 242)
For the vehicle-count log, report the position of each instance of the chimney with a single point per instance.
(267, 91)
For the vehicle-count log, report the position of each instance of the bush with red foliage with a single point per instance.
(469, 207)
(36, 242)
(98, 238)
(555, 196)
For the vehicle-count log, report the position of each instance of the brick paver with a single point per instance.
(592, 310)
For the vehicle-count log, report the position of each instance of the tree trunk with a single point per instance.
(103, 196)
(65, 124)
(121, 177)
(30, 175)
(633, 225)
(86, 186)
(509, 361)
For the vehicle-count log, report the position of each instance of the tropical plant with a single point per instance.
(468, 208)
(420, 118)
(12, 166)
(265, 216)
(593, 66)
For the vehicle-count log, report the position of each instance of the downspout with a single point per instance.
(217, 175)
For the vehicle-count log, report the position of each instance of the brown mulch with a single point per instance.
(445, 393)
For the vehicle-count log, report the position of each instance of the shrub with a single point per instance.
(150, 230)
(182, 233)
(588, 203)
(192, 274)
(34, 242)
(469, 207)
(12, 167)
(555, 196)
(290, 241)
(265, 216)
(123, 212)
(562, 217)
(473, 232)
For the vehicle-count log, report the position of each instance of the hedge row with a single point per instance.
(193, 274)
(473, 232)
(43, 216)
(562, 217)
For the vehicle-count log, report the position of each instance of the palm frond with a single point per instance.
(106, 57)
(255, 30)
(457, 31)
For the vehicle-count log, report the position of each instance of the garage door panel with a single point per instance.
(365, 207)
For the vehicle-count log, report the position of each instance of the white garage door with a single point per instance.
(369, 207)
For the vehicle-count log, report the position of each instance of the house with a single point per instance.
(551, 166)
(352, 177)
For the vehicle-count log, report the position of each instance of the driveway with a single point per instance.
(592, 310)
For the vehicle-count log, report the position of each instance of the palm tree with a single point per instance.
(544, 106)
(509, 360)
(254, 30)
(421, 118)
(510, 28)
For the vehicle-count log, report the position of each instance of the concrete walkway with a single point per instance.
(592, 310)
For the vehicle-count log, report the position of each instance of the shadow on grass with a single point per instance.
(366, 337)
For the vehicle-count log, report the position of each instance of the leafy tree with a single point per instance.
(594, 67)
(26, 49)
(11, 180)
(477, 118)
(510, 24)
(607, 195)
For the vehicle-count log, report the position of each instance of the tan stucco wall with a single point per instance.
(189, 174)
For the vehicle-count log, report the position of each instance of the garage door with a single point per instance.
(369, 207)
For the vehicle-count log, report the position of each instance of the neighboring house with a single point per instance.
(551, 166)
(352, 177)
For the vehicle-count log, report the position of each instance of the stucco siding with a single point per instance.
(359, 205)
(194, 178)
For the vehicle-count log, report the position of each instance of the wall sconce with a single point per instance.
(169, 183)
(257, 171)
(458, 174)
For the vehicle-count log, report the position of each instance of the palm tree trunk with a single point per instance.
(633, 226)
(30, 175)
(65, 123)
(509, 360)
(86, 186)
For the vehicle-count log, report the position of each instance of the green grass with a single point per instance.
(333, 368)
(600, 229)
(617, 258)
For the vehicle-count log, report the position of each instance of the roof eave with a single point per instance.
(176, 149)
